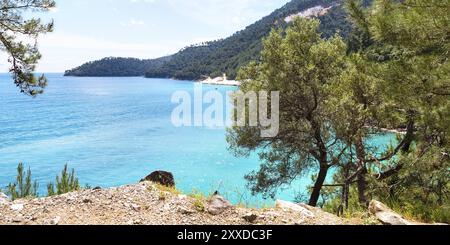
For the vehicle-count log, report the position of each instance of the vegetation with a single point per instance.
(24, 186)
(393, 73)
(65, 183)
(304, 138)
(220, 56)
(24, 54)
(116, 67)
(199, 201)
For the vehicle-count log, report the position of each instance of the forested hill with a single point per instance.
(217, 57)
(116, 67)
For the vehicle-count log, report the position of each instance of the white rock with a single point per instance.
(182, 197)
(386, 215)
(4, 199)
(136, 207)
(17, 207)
(55, 221)
(218, 205)
(294, 207)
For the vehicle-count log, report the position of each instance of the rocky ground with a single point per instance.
(150, 204)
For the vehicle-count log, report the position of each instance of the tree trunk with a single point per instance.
(362, 186)
(318, 186)
(409, 135)
(345, 188)
(361, 176)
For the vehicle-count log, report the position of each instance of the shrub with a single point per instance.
(65, 183)
(24, 186)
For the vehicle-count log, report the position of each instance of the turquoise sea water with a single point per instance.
(115, 131)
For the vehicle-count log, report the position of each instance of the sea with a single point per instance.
(115, 131)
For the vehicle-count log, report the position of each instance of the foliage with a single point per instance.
(398, 78)
(65, 183)
(116, 67)
(300, 65)
(199, 200)
(23, 55)
(24, 186)
(422, 187)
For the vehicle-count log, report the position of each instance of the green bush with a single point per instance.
(65, 183)
(24, 186)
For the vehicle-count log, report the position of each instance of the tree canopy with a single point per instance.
(24, 55)
(393, 74)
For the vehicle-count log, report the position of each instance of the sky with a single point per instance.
(87, 30)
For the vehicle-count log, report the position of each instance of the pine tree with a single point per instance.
(24, 186)
(24, 56)
(65, 183)
(300, 65)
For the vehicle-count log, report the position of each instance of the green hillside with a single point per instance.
(221, 56)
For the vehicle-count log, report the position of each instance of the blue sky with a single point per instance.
(88, 30)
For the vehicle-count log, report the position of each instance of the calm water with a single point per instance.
(115, 131)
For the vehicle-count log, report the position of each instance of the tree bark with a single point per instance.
(362, 186)
(318, 186)
(361, 176)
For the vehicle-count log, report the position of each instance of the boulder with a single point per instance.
(217, 205)
(250, 217)
(162, 178)
(385, 215)
(295, 207)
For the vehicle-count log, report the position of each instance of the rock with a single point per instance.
(162, 178)
(294, 207)
(55, 221)
(4, 198)
(182, 197)
(385, 215)
(17, 219)
(136, 207)
(87, 200)
(250, 217)
(186, 211)
(17, 207)
(97, 188)
(217, 205)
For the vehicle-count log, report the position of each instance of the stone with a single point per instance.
(136, 207)
(185, 211)
(386, 215)
(182, 197)
(4, 198)
(161, 177)
(87, 200)
(17, 207)
(17, 219)
(55, 221)
(304, 212)
(217, 205)
(250, 217)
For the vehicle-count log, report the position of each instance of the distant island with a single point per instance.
(212, 59)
